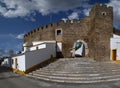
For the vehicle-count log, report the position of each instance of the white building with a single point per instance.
(115, 48)
(33, 56)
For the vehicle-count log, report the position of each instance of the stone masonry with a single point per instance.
(95, 29)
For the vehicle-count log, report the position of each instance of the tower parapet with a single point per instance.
(75, 21)
(101, 9)
(62, 22)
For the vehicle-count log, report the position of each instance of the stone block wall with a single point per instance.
(104, 30)
(95, 29)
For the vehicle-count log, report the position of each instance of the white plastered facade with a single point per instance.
(115, 45)
(39, 52)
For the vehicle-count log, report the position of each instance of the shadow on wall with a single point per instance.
(4, 69)
(9, 77)
(1, 60)
(5, 66)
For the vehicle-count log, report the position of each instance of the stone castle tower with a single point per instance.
(102, 21)
(94, 30)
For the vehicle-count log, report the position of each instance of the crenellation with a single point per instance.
(100, 7)
(68, 21)
(31, 32)
(55, 25)
(50, 25)
(62, 22)
(25, 35)
(38, 29)
(42, 28)
(103, 5)
(110, 7)
(75, 21)
(46, 26)
(97, 5)
(34, 30)
(28, 33)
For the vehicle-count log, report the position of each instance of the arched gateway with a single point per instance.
(80, 49)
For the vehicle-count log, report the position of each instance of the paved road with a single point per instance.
(12, 80)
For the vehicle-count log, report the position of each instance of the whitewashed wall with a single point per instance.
(21, 62)
(37, 56)
(115, 44)
(41, 46)
(59, 47)
(34, 57)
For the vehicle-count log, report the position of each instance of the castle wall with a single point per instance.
(42, 33)
(73, 32)
(96, 30)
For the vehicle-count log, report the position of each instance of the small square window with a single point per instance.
(59, 32)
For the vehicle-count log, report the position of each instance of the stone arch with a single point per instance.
(77, 51)
(86, 47)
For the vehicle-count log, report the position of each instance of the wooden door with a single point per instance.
(114, 54)
(16, 63)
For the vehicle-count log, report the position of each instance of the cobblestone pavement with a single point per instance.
(12, 80)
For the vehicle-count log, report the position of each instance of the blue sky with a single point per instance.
(18, 17)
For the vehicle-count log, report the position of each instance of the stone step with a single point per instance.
(102, 67)
(78, 70)
(77, 79)
(78, 73)
(82, 76)
(82, 64)
(73, 66)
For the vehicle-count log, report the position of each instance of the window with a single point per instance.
(103, 13)
(59, 32)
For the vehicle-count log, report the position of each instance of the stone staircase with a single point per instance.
(78, 70)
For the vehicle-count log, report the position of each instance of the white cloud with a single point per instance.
(74, 15)
(15, 8)
(20, 36)
(64, 19)
(28, 8)
(86, 11)
(22, 8)
(11, 36)
(116, 9)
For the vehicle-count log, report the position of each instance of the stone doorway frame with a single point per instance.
(86, 48)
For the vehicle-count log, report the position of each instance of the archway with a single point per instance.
(80, 49)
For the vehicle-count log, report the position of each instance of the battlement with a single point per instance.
(102, 6)
(96, 8)
(74, 21)
(51, 25)
(100, 10)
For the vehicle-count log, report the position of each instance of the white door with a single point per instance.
(59, 47)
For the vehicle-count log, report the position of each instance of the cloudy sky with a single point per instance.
(17, 17)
